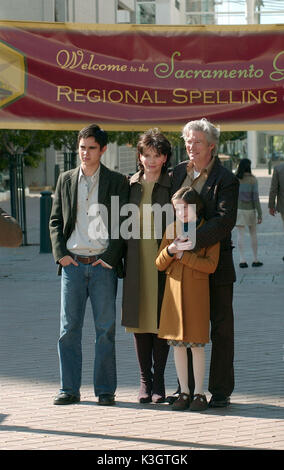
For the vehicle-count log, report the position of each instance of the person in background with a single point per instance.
(185, 315)
(11, 234)
(143, 286)
(90, 259)
(249, 211)
(276, 193)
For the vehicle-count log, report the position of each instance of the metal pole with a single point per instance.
(13, 186)
(20, 166)
(45, 210)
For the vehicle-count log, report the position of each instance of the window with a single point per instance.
(146, 12)
(60, 10)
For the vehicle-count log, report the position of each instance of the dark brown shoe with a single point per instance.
(199, 403)
(182, 403)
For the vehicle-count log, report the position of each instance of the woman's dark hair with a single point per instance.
(154, 139)
(244, 167)
(93, 130)
(191, 196)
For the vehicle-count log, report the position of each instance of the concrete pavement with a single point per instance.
(29, 306)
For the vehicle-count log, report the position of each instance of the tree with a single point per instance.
(229, 136)
(26, 142)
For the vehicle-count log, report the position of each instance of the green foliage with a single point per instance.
(228, 135)
(131, 137)
(278, 143)
(29, 143)
(67, 139)
(32, 142)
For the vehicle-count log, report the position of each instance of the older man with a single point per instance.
(219, 190)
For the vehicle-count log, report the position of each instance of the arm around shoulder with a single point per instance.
(204, 263)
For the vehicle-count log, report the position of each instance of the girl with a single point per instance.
(185, 310)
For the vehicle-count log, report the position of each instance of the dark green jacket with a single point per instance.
(64, 212)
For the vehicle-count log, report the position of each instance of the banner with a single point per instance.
(131, 77)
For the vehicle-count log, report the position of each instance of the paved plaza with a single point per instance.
(29, 378)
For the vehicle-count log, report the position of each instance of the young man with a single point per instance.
(90, 260)
(219, 190)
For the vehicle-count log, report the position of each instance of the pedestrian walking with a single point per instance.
(276, 192)
(249, 211)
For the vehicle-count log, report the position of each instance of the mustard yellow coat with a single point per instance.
(185, 313)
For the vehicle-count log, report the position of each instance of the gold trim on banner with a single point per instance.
(76, 126)
(138, 27)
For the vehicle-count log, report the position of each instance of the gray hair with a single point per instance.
(212, 133)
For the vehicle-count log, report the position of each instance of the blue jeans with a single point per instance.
(77, 284)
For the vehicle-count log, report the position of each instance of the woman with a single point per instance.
(249, 210)
(143, 286)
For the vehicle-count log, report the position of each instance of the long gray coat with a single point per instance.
(277, 189)
(130, 302)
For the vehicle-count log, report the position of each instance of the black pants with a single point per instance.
(221, 376)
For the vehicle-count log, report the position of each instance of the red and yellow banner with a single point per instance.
(130, 77)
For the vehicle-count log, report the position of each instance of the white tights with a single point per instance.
(198, 362)
(253, 238)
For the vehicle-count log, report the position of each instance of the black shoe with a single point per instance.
(64, 398)
(256, 264)
(219, 402)
(243, 265)
(170, 399)
(145, 399)
(145, 392)
(106, 399)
